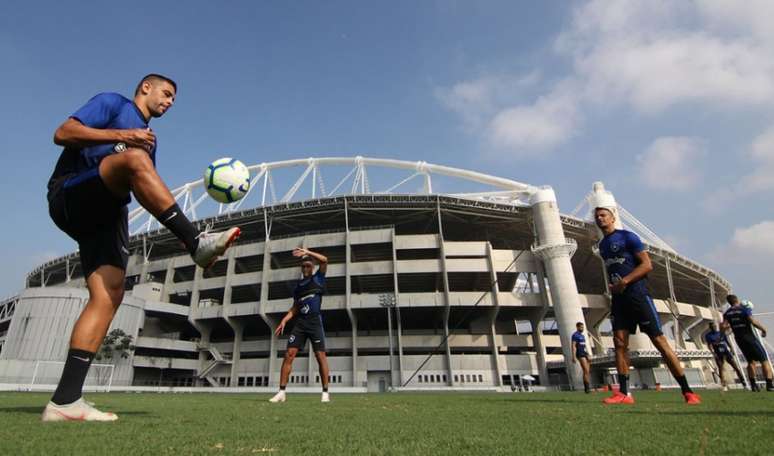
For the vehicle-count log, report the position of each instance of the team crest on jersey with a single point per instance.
(614, 247)
(292, 338)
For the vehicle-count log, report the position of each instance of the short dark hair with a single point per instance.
(732, 299)
(579, 323)
(154, 77)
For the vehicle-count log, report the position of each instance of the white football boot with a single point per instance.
(325, 397)
(213, 245)
(79, 410)
(279, 397)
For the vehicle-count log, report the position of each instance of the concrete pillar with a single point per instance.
(235, 325)
(446, 294)
(169, 280)
(555, 251)
(263, 303)
(540, 349)
(397, 312)
(348, 291)
(496, 369)
(673, 309)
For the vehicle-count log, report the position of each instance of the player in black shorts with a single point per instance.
(739, 318)
(718, 344)
(627, 264)
(109, 154)
(307, 300)
(580, 355)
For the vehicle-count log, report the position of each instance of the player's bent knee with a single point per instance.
(137, 159)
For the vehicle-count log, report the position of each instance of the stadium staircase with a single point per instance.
(218, 359)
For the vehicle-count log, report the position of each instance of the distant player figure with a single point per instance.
(580, 355)
(718, 344)
(628, 265)
(739, 318)
(307, 300)
(109, 154)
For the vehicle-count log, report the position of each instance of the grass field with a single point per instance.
(400, 423)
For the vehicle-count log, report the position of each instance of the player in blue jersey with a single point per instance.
(718, 344)
(628, 264)
(581, 356)
(109, 154)
(739, 318)
(307, 301)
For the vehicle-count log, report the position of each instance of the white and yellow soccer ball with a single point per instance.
(227, 180)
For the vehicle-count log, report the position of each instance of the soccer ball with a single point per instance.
(227, 180)
(747, 303)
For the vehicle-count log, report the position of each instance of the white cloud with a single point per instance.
(649, 55)
(672, 163)
(760, 179)
(748, 245)
(655, 54)
(548, 122)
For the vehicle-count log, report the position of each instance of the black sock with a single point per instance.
(176, 221)
(684, 384)
(769, 383)
(325, 389)
(282, 387)
(623, 381)
(70, 385)
(585, 386)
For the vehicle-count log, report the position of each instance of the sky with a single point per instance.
(669, 102)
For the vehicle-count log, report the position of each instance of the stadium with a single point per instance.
(481, 272)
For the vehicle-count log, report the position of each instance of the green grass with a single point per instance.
(400, 424)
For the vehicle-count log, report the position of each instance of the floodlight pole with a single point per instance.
(388, 301)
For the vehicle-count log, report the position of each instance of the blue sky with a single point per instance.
(670, 104)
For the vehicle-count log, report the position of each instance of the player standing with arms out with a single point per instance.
(110, 153)
(580, 355)
(739, 319)
(307, 300)
(718, 344)
(628, 264)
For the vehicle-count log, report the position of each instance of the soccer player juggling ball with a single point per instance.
(110, 154)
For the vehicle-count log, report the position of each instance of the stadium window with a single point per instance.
(249, 381)
(339, 379)
(420, 379)
(265, 381)
(506, 379)
(480, 378)
(438, 378)
(467, 378)
(456, 378)
(317, 379)
(241, 381)
(444, 378)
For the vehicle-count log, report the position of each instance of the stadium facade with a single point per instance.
(497, 269)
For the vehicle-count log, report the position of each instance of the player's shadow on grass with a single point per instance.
(37, 410)
(518, 398)
(738, 414)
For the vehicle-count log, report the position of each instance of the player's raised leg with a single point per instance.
(673, 363)
(133, 171)
(106, 290)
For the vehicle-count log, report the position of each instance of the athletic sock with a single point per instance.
(74, 373)
(176, 221)
(623, 381)
(325, 389)
(769, 383)
(282, 387)
(684, 384)
(586, 386)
